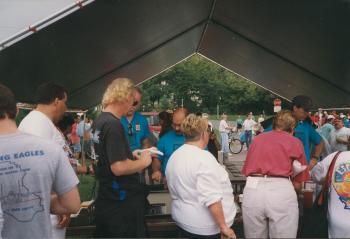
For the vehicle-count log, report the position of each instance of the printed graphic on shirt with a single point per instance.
(341, 183)
(20, 203)
(96, 136)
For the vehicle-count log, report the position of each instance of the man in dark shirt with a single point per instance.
(120, 203)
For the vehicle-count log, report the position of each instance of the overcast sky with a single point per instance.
(16, 15)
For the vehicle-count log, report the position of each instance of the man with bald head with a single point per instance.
(168, 143)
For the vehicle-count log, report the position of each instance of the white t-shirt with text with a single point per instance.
(339, 194)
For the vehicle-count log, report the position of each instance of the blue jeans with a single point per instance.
(224, 142)
(248, 137)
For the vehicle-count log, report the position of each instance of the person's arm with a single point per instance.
(318, 149)
(316, 154)
(208, 185)
(118, 152)
(218, 214)
(319, 172)
(67, 203)
(156, 165)
(342, 141)
(66, 199)
(127, 166)
(298, 154)
(157, 162)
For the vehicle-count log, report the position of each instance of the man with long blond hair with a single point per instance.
(120, 203)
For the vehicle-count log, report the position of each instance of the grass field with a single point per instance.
(86, 187)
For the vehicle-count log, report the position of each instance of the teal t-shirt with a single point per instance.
(137, 131)
(326, 130)
(167, 144)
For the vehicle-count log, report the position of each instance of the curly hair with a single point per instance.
(284, 120)
(193, 126)
(119, 90)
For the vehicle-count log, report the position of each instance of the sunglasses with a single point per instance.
(130, 129)
(135, 103)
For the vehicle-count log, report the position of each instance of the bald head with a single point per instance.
(178, 117)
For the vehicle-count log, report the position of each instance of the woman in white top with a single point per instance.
(248, 125)
(200, 188)
(224, 129)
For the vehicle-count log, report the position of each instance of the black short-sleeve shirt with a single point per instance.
(111, 146)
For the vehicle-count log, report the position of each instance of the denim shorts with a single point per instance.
(76, 148)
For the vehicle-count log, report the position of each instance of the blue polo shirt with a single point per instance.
(308, 136)
(167, 144)
(139, 130)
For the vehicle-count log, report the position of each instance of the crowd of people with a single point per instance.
(38, 167)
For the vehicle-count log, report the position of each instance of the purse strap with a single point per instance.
(328, 180)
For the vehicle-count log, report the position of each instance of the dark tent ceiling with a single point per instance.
(289, 47)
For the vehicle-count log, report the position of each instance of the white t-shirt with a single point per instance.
(339, 195)
(248, 124)
(1, 220)
(37, 123)
(222, 126)
(344, 134)
(195, 181)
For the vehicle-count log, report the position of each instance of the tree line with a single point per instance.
(201, 86)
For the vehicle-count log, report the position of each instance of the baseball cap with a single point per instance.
(302, 101)
(330, 117)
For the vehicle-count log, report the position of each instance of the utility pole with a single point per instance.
(218, 109)
(182, 102)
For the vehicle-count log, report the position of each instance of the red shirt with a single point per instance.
(273, 153)
(74, 138)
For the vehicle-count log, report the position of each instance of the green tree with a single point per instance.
(202, 85)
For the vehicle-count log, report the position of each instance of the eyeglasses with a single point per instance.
(130, 129)
(135, 103)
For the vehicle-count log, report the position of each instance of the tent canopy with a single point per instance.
(289, 47)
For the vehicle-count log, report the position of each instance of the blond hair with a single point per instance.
(284, 120)
(193, 126)
(119, 90)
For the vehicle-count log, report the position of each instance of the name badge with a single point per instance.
(137, 127)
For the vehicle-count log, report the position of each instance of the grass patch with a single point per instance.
(86, 187)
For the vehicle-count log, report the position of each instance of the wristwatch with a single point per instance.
(315, 157)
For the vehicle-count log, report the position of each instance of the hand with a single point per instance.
(154, 149)
(227, 232)
(312, 163)
(63, 221)
(136, 153)
(146, 158)
(156, 176)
